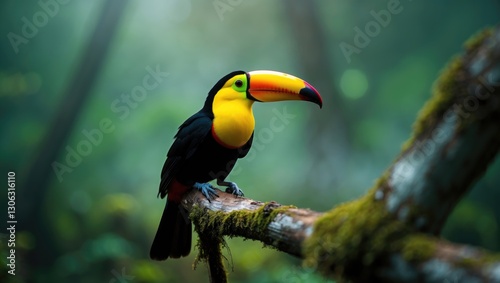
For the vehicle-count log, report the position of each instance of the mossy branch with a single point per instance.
(282, 227)
(388, 234)
(358, 240)
(455, 138)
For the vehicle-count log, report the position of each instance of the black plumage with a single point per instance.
(194, 157)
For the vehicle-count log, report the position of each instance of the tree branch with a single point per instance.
(284, 227)
(380, 236)
(455, 138)
(447, 263)
(405, 257)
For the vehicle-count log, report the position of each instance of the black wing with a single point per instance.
(190, 135)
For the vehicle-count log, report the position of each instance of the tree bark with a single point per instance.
(420, 258)
(456, 137)
(286, 228)
(388, 235)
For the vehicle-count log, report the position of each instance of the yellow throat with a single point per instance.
(233, 123)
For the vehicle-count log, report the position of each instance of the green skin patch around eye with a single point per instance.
(243, 86)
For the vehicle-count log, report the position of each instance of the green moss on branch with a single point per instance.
(474, 42)
(418, 247)
(248, 223)
(447, 90)
(351, 236)
(444, 92)
(212, 226)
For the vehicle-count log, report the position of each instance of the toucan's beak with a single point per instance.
(268, 86)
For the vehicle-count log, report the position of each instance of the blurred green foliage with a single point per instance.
(103, 215)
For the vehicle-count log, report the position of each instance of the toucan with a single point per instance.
(208, 144)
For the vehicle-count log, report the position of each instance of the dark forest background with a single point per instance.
(96, 89)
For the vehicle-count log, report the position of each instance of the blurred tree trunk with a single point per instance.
(327, 130)
(35, 188)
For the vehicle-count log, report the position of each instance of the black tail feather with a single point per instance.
(173, 238)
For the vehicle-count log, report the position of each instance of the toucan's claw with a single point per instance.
(207, 190)
(232, 188)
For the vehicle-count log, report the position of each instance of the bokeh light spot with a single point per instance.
(353, 84)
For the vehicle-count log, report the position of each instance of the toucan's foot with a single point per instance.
(207, 190)
(232, 188)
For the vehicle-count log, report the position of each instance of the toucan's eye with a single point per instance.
(239, 84)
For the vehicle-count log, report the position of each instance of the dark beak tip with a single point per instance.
(311, 94)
